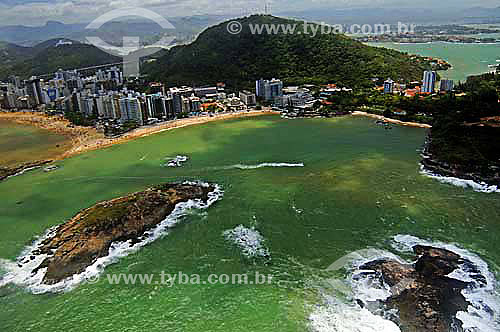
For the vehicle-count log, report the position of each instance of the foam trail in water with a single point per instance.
(479, 187)
(262, 165)
(20, 272)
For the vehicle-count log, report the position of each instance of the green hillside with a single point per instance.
(296, 58)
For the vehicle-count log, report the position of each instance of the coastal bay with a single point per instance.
(357, 187)
(466, 59)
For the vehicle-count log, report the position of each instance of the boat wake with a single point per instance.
(361, 306)
(20, 272)
(178, 161)
(479, 187)
(262, 165)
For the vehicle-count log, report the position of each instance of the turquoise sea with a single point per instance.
(360, 188)
(466, 59)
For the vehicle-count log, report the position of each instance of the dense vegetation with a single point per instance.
(46, 58)
(464, 131)
(295, 58)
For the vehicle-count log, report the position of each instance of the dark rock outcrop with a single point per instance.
(472, 166)
(6, 172)
(426, 299)
(88, 236)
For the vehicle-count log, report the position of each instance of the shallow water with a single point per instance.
(359, 186)
(21, 143)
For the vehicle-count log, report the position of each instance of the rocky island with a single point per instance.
(6, 172)
(78, 243)
(423, 293)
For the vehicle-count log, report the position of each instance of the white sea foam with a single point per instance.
(365, 286)
(20, 272)
(483, 313)
(250, 241)
(177, 161)
(336, 316)
(262, 165)
(23, 171)
(480, 187)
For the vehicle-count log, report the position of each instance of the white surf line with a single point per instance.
(20, 271)
(22, 172)
(337, 315)
(462, 183)
(262, 165)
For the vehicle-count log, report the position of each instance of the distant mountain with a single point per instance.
(438, 15)
(48, 57)
(11, 52)
(296, 58)
(29, 36)
(112, 32)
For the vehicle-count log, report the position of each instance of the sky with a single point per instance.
(37, 12)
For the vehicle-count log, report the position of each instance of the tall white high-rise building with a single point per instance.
(269, 90)
(429, 84)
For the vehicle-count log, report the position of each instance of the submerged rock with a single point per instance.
(426, 298)
(88, 236)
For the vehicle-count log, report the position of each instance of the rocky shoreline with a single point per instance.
(6, 172)
(482, 175)
(77, 244)
(423, 294)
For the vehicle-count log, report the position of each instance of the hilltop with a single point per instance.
(48, 57)
(217, 55)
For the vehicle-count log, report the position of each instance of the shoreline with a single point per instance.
(85, 139)
(102, 143)
(393, 121)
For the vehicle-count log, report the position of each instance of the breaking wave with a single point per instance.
(479, 187)
(250, 241)
(20, 271)
(483, 313)
(335, 316)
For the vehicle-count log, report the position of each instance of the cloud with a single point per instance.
(37, 12)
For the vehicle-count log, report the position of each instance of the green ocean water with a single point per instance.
(21, 143)
(466, 59)
(360, 186)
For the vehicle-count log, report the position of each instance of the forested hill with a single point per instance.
(239, 59)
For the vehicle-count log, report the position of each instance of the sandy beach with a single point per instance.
(85, 139)
(398, 122)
